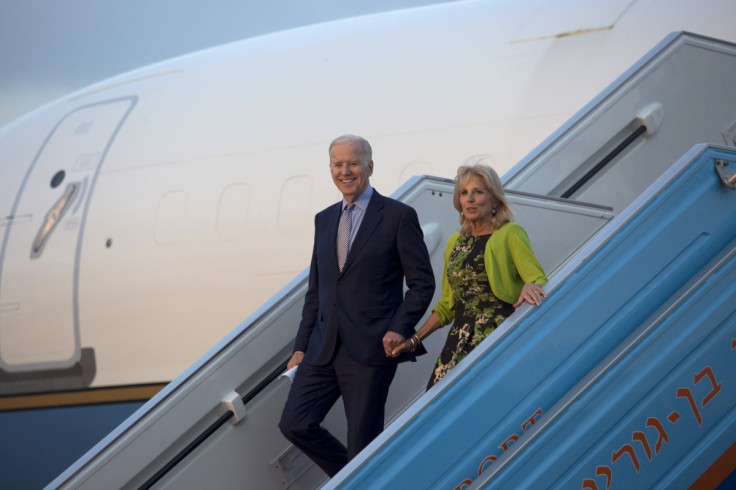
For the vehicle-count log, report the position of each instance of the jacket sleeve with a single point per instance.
(526, 263)
(418, 274)
(311, 302)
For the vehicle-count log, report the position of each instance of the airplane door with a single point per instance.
(41, 248)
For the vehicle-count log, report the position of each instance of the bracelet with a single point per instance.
(413, 345)
(415, 338)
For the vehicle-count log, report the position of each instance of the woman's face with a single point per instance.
(476, 201)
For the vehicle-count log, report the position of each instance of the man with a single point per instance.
(355, 313)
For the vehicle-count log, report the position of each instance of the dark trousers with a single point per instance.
(315, 390)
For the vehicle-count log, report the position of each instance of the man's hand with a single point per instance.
(295, 360)
(391, 341)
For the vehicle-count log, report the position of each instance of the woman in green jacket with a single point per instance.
(490, 270)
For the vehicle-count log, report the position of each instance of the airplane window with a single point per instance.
(170, 215)
(295, 204)
(232, 214)
(57, 179)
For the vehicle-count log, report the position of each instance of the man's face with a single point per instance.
(349, 172)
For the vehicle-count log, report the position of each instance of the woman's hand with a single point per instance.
(412, 343)
(405, 346)
(532, 294)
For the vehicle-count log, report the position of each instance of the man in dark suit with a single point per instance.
(355, 313)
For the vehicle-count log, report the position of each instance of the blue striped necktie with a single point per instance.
(343, 234)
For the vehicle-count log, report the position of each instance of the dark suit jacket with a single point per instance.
(366, 300)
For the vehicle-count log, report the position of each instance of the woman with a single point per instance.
(490, 269)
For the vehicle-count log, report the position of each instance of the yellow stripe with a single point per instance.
(81, 397)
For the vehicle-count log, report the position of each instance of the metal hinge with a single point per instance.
(728, 178)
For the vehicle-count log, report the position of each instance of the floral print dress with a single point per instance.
(477, 311)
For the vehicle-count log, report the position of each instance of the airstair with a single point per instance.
(625, 376)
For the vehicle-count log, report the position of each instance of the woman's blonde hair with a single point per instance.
(492, 183)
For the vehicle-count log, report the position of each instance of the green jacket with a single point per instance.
(510, 263)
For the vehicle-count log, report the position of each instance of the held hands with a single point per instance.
(392, 341)
(409, 345)
(415, 341)
(405, 346)
(532, 294)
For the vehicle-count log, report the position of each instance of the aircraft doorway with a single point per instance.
(42, 245)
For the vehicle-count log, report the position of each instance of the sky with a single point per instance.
(49, 48)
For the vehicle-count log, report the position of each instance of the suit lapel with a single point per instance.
(333, 218)
(373, 216)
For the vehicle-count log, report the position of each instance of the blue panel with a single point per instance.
(662, 414)
(46, 441)
(478, 415)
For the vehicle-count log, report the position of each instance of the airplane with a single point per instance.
(143, 217)
(631, 202)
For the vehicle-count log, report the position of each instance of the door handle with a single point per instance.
(52, 219)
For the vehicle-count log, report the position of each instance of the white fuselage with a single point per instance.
(194, 181)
